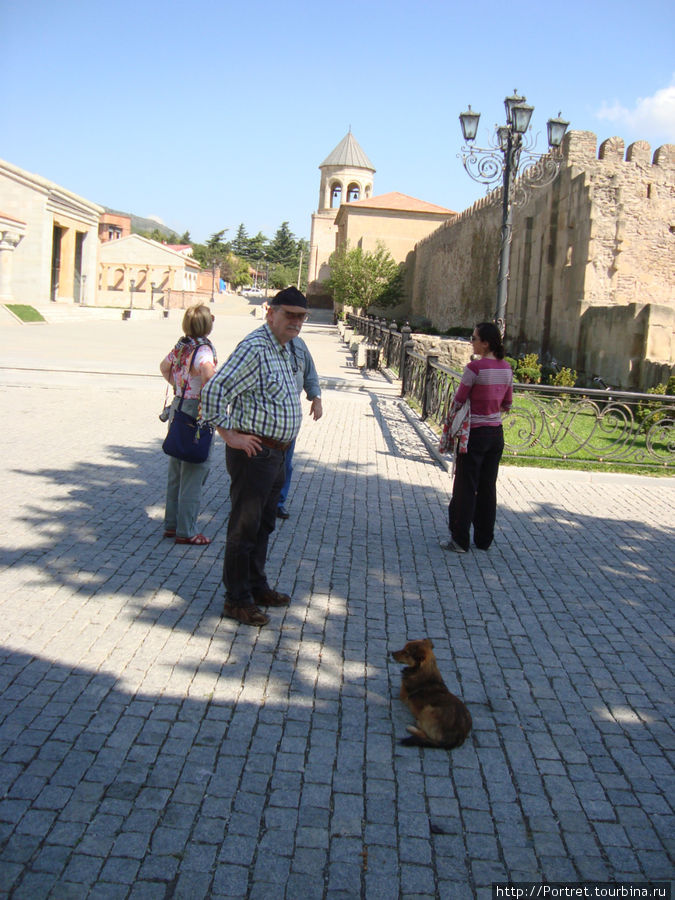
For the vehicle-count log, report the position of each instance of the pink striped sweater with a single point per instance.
(488, 383)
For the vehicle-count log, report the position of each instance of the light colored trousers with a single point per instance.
(184, 487)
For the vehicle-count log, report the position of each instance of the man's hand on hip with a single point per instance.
(249, 443)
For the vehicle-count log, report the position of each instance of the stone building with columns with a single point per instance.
(48, 241)
(12, 232)
(146, 263)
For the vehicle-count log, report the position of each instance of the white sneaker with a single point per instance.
(451, 545)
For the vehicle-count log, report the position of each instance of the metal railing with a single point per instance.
(546, 422)
(386, 336)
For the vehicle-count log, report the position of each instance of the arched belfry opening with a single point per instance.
(353, 192)
(335, 195)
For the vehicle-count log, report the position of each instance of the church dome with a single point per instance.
(348, 154)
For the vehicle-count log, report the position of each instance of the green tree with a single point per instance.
(283, 276)
(283, 248)
(360, 278)
(235, 271)
(241, 242)
(215, 250)
(257, 246)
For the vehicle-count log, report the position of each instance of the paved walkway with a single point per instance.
(151, 749)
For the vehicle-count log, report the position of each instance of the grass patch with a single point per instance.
(581, 465)
(25, 313)
(561, 436)
(569, 433)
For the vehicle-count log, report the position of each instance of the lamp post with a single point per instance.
(502, 161)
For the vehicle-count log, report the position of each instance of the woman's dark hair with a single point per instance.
(488, 331)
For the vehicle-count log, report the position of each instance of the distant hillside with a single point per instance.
(139, 224)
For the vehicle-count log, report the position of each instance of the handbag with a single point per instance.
(187, 439)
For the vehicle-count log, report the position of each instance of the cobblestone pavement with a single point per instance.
(151, 749)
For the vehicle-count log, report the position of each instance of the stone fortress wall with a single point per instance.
(592, 264)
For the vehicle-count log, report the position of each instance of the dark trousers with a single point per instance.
(474, 491)
(255, 483)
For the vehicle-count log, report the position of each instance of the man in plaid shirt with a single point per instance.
(253, 402)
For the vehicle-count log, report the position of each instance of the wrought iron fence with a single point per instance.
(546, 422)
(386, 337)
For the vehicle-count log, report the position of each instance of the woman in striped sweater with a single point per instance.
(487, 383)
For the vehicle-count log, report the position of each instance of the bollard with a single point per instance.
(361, 356)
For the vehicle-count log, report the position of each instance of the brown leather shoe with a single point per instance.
(269, 597)
(247, 615)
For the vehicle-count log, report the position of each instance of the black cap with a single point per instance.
(290, 296)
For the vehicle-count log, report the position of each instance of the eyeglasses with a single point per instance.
(295, 317)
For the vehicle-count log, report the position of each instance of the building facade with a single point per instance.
(155, 270)
(112, 226)
(394, 220)
(53, 242)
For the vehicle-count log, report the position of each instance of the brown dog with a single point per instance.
(442, 720)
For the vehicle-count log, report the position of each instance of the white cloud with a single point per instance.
(653, 115)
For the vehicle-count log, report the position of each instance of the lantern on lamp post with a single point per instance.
(501, 162)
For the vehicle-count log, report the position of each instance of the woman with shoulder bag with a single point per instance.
(188, 367)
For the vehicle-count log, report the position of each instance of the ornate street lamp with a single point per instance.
(501, 162)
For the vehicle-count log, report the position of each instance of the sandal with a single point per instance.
(200, 539)
(170, 532)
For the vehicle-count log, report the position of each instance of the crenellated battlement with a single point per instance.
(581, 148)
(592, 262)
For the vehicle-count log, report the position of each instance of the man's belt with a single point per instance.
(270, 442)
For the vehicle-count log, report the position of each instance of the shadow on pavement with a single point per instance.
(225, 760)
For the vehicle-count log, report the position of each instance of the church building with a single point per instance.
(348, 213)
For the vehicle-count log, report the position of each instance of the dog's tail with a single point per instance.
(418, 738)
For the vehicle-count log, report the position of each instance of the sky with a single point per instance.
(214, 113)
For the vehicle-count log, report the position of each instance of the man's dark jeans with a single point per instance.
(256, 482)
(474, 492)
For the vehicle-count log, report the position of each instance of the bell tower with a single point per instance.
(346, 176)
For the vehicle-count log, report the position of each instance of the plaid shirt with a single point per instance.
(255, 390)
